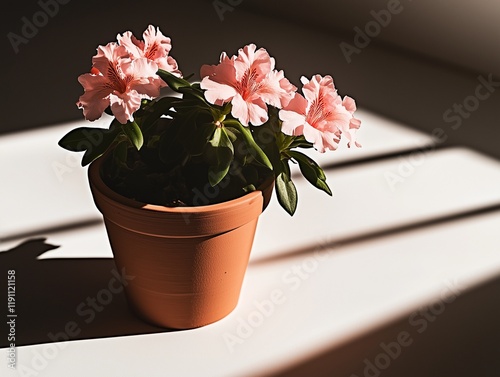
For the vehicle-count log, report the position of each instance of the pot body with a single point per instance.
(186, 264)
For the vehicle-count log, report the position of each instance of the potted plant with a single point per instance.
(181, 178)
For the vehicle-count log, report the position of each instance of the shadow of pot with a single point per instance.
(187, 263)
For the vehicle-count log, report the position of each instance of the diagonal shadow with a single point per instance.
(65, 299)
(338, 242)
(52, 229)
(338, 165)
(459, 338)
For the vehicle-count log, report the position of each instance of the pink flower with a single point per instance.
(117, 81)
(154, 47)
(250, 82)
(321, 115)
(355, 123)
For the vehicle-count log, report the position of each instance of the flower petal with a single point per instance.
(293, 123)
(294, 116)
(156, 45)
(258, 62)
(134, 46)
(249, 112)
(216, 93)
(276, 90)
(218, 81)
(96, 97)
(349, 104)
(326, 118)
(123, 105)
(169, 64)
(107, 58)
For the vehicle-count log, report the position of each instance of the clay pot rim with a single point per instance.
(94, 174)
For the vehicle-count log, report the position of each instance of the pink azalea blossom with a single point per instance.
(320, 115)
(154, 47)
(355, 123)
(250, 82)
(117, 81)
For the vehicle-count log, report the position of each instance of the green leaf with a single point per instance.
(200, 138)
(232, 133)
(215, 140)
(300, 142)
(94, 141)
(311, 171)
(153, 141)
(224, 152)
(80, 139)
(220, 138)
(134, 134)
(155, 110)
(109, 136)
(249, 188)
(286, 193)
(120, 153)
(188, 104)
(216, 173)
(170, 149)
(256, 151)
(174, 82)
(190, 91)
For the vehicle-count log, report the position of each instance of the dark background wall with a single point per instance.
(427, 58)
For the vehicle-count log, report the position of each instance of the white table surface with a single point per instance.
(342, 266)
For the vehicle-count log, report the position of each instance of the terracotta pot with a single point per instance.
(188, 263)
